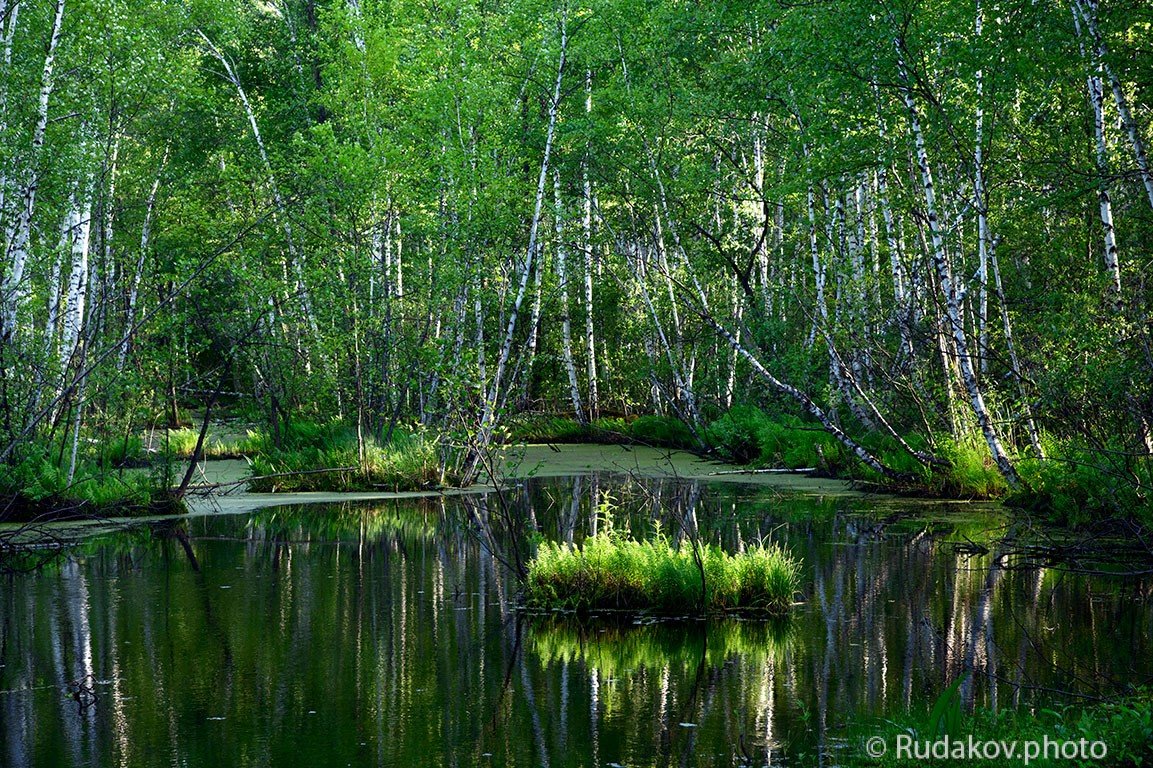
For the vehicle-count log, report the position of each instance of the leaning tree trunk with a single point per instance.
(1087, 9)
(493, 396)
(948, 288)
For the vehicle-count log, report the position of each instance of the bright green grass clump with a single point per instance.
(615, 572)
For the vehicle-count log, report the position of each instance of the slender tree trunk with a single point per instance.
(281, 209)
(739, 313)
(1089, 13)
(948, 288)
(493, 396)
(587, 226)
(18, 240)
(9, 13)
(74, 307)
(1105, 203)
(1030, 421)
(982, 212)
(141, 256)
(566, 319)
(533, 327)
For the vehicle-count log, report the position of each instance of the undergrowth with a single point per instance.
(659, 431)
(327, 458)
(38, 487)
(1125, 726)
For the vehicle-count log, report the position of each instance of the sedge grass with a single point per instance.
(614, 572)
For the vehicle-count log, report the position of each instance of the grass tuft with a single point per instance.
(614, 572)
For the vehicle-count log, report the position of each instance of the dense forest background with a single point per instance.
(912, 235)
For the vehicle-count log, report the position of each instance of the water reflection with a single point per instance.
(388, 635)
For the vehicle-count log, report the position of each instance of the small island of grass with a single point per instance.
(614, 572)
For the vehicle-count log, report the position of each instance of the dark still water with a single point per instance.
(387, 635)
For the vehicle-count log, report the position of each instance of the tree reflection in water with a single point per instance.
(388, 634)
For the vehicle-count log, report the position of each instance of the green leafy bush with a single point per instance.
(736, 434)
(1076, 488)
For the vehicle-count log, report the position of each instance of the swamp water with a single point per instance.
(386, 634)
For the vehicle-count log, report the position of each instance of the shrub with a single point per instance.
(736, 434)
(1075, 489)
(37, 486)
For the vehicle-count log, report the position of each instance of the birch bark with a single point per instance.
(141, 257)
(1104, 199)
(492, 397)
(587, 227)
(1088, 10)
(566, 319)
(982, 199)
(77, 293)
(947, 285)
(19, 238)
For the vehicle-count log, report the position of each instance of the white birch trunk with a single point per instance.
(1105, 203)
(682, 369)
(77, 293)
(739, 314)
(1088, 11)
(1030, 422)
(948, 288)
(587, 227)
(982, 212)
(533, 325)
(282, 214)
(19, 240)
(138, 274)
(52, 292)
(492, 398)
(566, 319)
(821, 316)
(8, 15)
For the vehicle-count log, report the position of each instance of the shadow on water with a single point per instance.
(388, 634)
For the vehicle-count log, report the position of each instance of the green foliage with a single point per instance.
(1124, 725)
(39, 486)
(612, 570)
(945, 717)
(122, 451)
(736, 434)
(1079, 487)
(326, 458)
(662, 431)
(970, 472)
(748, 435)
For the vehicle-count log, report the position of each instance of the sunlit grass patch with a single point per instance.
(610, 571)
